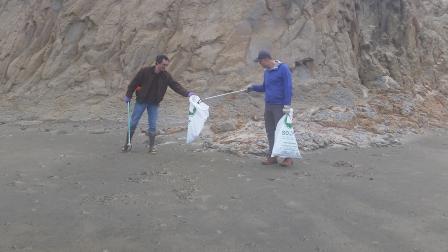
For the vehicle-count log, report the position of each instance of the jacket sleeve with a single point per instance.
(287, 82)
(174, 85)
(258, 88)
(134, 83)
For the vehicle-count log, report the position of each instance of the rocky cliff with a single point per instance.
(362, 68)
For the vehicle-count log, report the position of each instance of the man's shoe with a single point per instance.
(126, 148)
(287, 162)
(152, 143)
(270, 161)
(152, 150)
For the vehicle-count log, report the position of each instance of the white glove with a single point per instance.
(249, 88)
(287, 109)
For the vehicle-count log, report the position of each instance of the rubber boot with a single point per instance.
(125, 147)
(152, 142)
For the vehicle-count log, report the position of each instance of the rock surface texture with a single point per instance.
(364, 70)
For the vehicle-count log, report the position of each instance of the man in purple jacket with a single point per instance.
(277, 86)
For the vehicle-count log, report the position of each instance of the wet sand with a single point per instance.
(75, 191)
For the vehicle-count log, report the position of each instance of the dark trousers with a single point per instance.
(272, 114)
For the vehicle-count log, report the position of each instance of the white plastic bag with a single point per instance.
(285, 143)
(197, 115)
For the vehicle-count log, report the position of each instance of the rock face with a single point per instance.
(376, 65)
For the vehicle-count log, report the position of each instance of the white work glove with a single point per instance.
(249, 88)
(287, 109)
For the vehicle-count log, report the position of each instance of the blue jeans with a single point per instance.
(153, 112)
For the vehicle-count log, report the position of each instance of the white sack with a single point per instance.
(285, 143)
(197, 115)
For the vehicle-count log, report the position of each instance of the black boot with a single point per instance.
(151, 143)
(127, 147)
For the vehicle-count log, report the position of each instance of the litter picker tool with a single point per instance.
(129, 127)
(229, 93)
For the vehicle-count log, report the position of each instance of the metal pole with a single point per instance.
(216, 96)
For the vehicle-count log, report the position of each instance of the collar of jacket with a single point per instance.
(277, 64)
(153, 71)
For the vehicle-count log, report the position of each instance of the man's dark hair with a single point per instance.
(160, 58)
